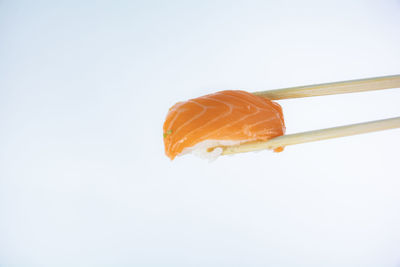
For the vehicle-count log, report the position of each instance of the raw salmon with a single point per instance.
(230, 115)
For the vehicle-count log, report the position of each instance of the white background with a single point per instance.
(85, 87)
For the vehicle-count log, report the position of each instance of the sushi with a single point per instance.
(204, 125)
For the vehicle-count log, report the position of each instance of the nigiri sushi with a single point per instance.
(205, 124)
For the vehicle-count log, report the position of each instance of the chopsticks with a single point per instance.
(352, 86)
(317, 135)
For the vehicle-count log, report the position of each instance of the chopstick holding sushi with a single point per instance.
(233, 121)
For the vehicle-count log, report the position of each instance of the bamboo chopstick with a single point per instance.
(329, 133)
(352, 86)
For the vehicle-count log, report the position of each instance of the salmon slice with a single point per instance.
(224, 116)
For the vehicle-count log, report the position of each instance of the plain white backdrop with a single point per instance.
(85, 87)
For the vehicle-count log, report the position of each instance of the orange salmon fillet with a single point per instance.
(227, 115)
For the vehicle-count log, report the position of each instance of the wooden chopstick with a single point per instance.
(317, 135)
(352, 86)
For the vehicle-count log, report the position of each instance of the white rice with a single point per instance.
(201, 149)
